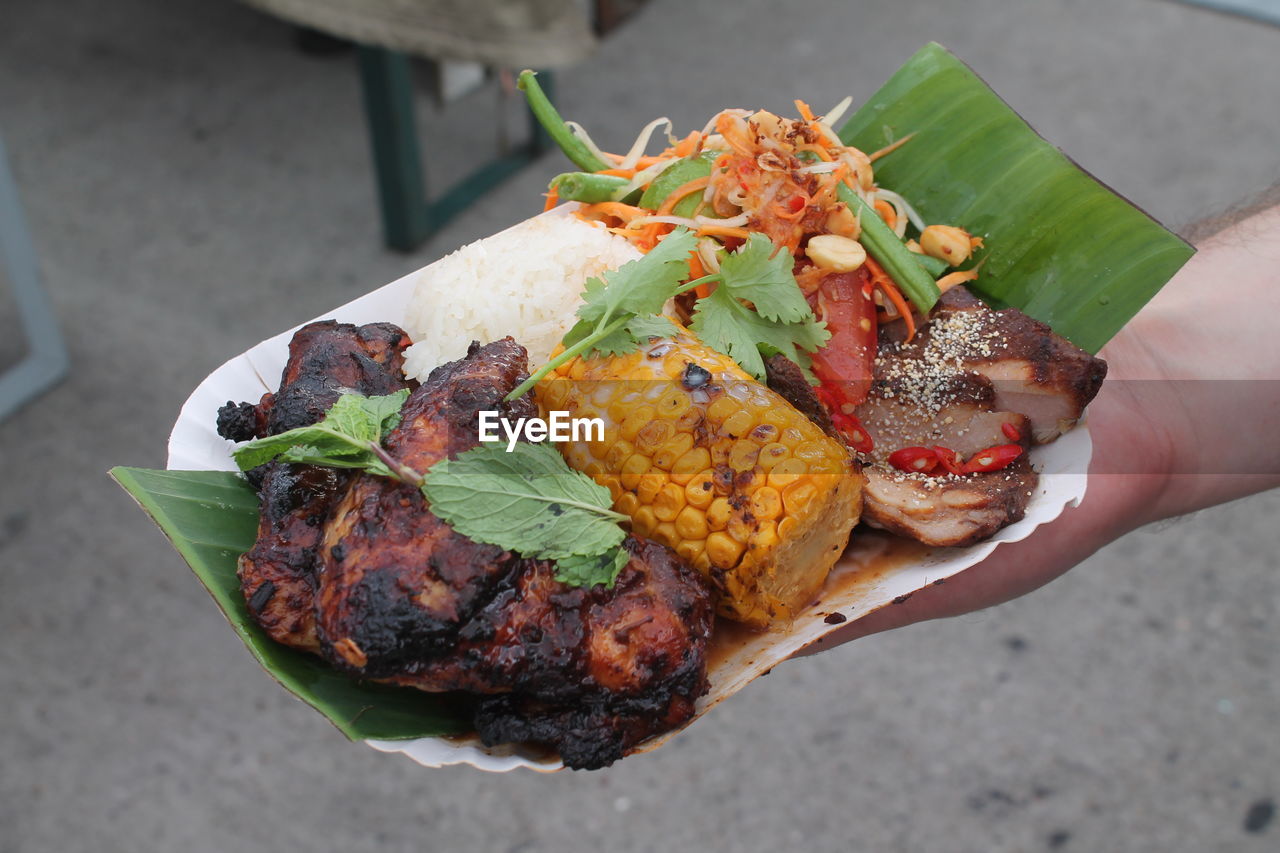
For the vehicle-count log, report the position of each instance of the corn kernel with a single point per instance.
(740, 528)
(764, 538)
(723, 550)
(643, 521)
(635, 421)
(718, 514)
(738, 424)
(626, 503)
(771, 455)
(766, 503)
(787, 472)
(618, 454)
(666, 534)
(690, 524)
(743, 455)
(652, 436)
(721, 409)
(810, 450)
(689, 464)
(700, 491)
(791, 437)
(797, 496)
(636, 465)
(673, 403)
(669, 502)
(690, 549)
(594, 470)
(651, 482)
(672, 449)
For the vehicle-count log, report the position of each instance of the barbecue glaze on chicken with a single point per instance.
(384, 590)
(326, 359)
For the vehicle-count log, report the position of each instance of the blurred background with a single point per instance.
(197, 176)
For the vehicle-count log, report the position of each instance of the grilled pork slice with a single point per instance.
(947, 511)
(1032, 370)
(924, 395)
(277, 575)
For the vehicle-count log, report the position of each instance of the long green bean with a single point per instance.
(589, 188)
(898, 261)
(547, 115)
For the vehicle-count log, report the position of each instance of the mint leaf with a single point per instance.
(590, 571)
(348, 437)
(528, 501)
(761, 273)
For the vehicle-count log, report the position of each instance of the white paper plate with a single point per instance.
(864, 580)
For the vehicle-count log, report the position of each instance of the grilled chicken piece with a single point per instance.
(1032, 370)
(277, 575)
(326, 360)
(785, 378)
(397, 582)
(592, 671)
(947, 511)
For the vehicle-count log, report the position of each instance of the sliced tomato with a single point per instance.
(844, 366)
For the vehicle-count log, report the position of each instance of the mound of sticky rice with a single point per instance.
(524, 282)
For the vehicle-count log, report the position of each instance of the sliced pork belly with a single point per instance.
(1032, 370)
(946, 511)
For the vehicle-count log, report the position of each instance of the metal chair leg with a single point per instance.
(408, 216)
(46, 361)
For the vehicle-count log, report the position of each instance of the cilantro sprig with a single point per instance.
(528, 501)
(622, 310)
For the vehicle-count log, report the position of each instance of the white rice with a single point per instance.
(524, 282)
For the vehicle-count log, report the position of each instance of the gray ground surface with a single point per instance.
(193, 186)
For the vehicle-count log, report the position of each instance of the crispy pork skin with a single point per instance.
(277, 575)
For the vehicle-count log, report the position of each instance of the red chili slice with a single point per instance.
(948, 460)
(1010, 431)
(992, 459)
(914, 460)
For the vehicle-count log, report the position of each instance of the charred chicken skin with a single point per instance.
(326, 359)
(389, 592)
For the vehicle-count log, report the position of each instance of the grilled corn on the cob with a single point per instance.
(715, 465)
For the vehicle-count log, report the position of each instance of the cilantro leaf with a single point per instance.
(650, 326)
(347, 437)
(641, 286)
(761, 273)
(590, 571)
(722, 322)
(528, 501)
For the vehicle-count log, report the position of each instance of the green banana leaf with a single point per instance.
(1060, 246)
(211, 517)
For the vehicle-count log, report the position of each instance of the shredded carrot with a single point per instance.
(821, 151)
(881, 280)
(681, 191)
(889, 149)
(697, 270)
(805, 112)
(616, 209)
(951, 279)
(725, 230)
(618, 173)
(887, 213)
(686, 146)
(553, 198)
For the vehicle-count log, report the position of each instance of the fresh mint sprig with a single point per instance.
(528, 501)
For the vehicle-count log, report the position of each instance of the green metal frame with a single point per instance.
(408, 216)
